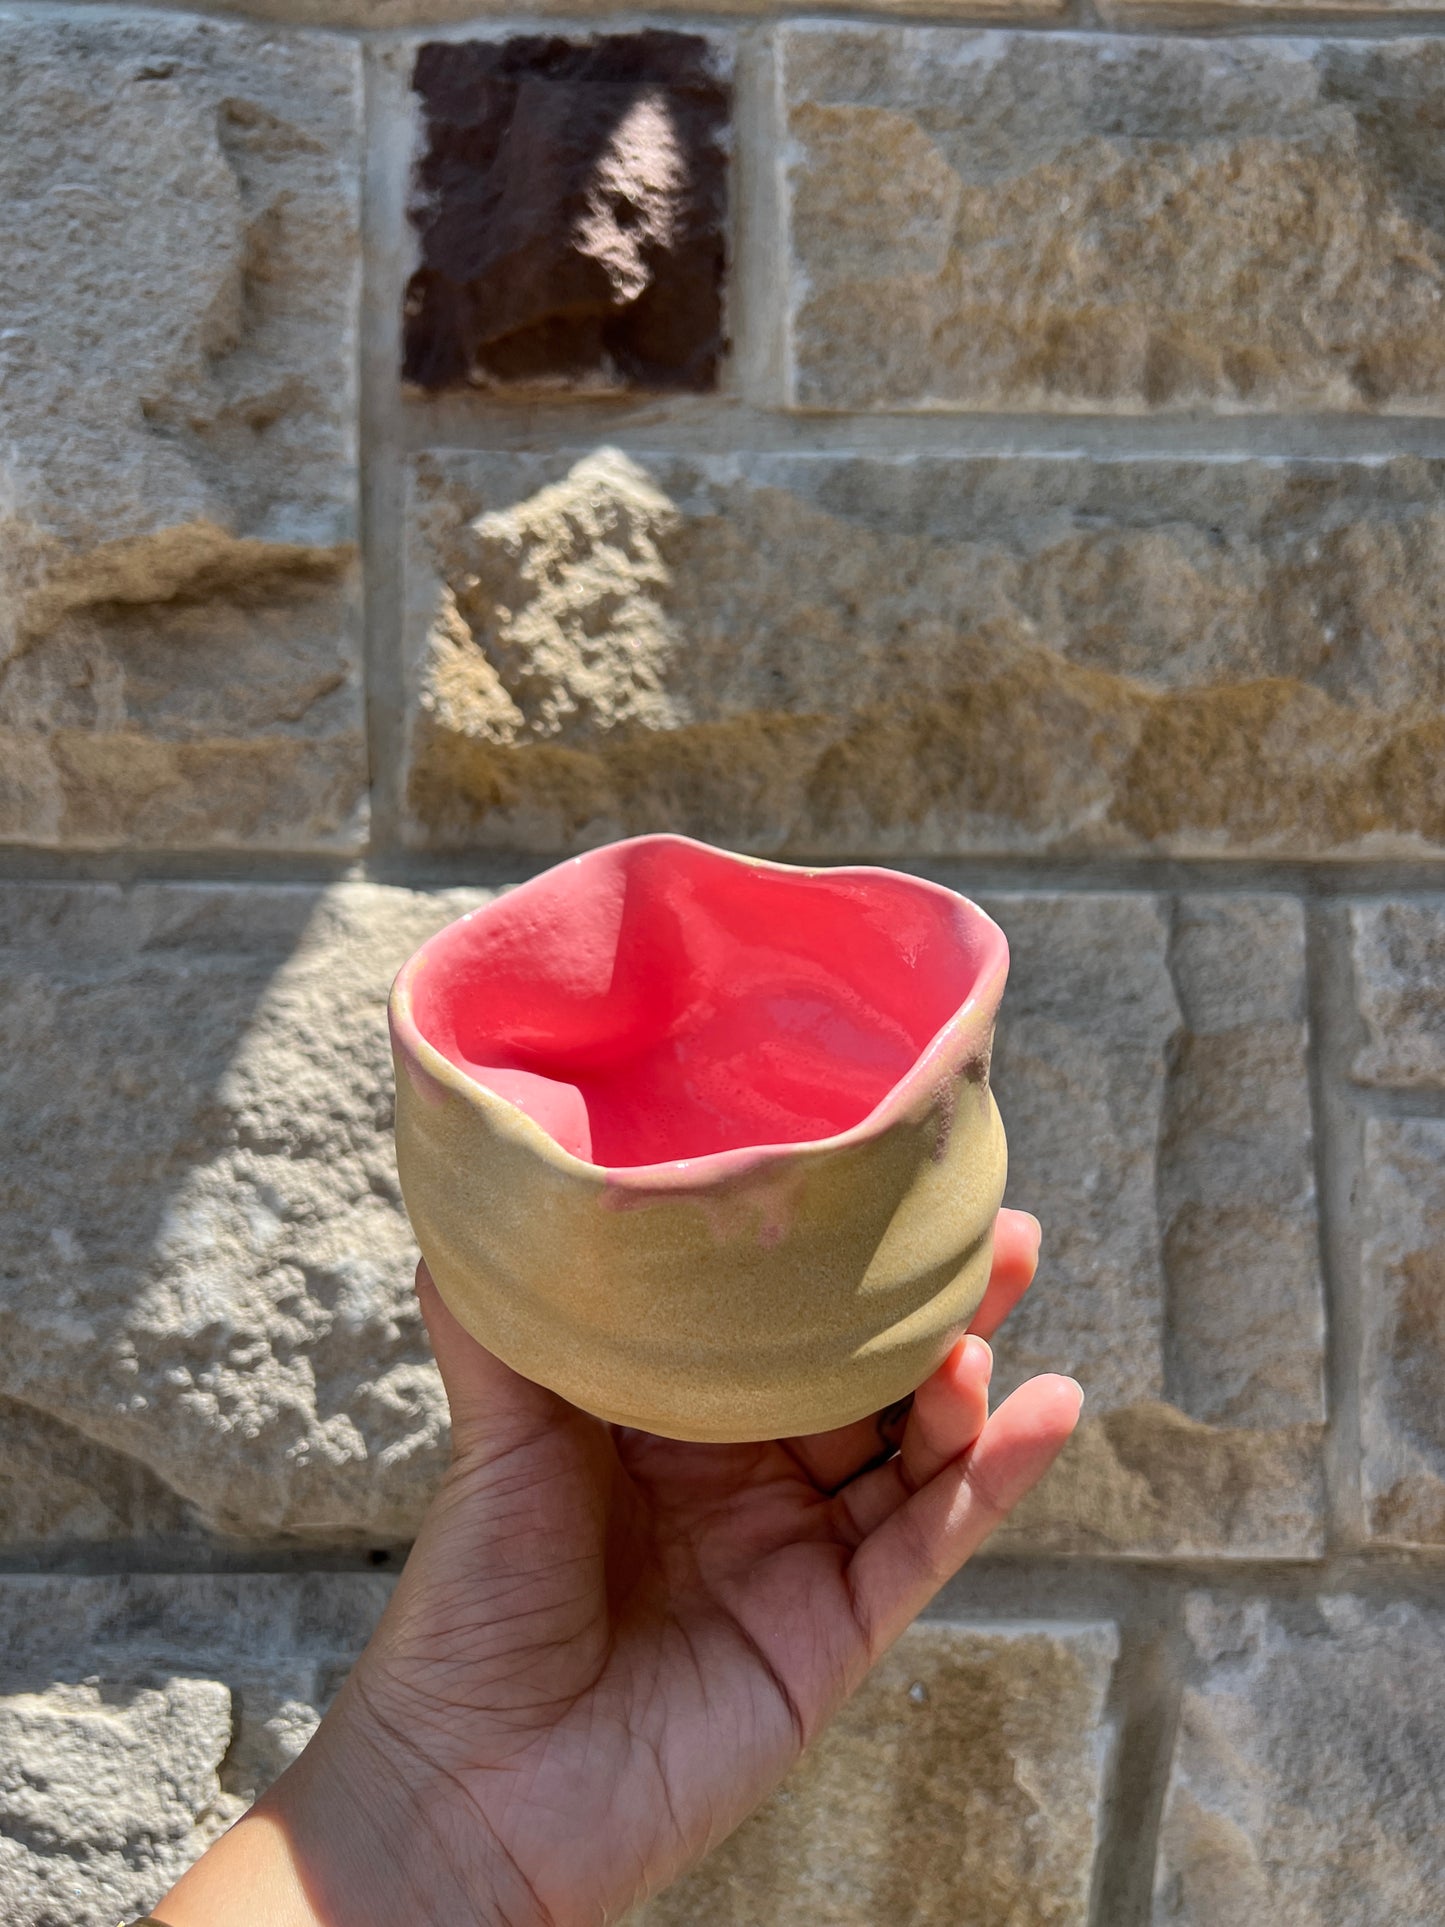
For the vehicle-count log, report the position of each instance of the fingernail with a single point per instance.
(1038, 1230)
(1079, 1389)
(985, 1348)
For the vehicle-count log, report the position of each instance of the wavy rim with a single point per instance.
(950, 1046)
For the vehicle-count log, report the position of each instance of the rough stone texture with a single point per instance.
(431, 13)
(1399, 959)
(1307, 1781)
(1150, 1070)
(140, 1716)
(58, 1487)
(840, 654)
(1128, 15)
(227, 1300)
(991, 220)
(1402, 1361)
(204, 1260)
(963, 1783)
(571, 205)
(178, 653)
(108, 1794)
(1234, 1179)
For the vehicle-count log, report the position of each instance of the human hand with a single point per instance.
(607, 1647)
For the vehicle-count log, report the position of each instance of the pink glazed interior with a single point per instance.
(657, 1000)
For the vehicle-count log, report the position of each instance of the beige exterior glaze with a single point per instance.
(742, 1296)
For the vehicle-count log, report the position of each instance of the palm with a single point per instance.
(608, 1646)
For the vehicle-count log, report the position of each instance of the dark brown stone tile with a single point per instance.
(570, 203)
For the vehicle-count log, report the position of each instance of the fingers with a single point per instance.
(1015, 1260)
(491, 1405)
(832, 1458)
(949, 1412)
(901, 1565)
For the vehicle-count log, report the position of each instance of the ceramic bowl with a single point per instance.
(706, 1144)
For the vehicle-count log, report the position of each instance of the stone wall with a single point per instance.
(434, 439)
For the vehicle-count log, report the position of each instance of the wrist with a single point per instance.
(251, 1873)
(350, 1836)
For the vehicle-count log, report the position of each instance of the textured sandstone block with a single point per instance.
(1402, 1361)
(208, 1272)
(179, 661)
(844, 654)
(106, 1793)
(140, 1716)
(1130, 14)
(990, 220)
(963, 1783)
(1150, 1068)
(1399, 958)
(431, 13)
(571, 206)
(1307, 1779)
(59, 1487)
(207, 1266)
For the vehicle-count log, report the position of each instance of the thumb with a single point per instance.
(493, 1408)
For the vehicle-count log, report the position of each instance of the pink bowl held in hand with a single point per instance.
(704, 1143)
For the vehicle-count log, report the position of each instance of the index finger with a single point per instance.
(1016, 1237)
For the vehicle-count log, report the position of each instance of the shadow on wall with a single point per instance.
(206, 1266)
(141, 1714)
(208, 1271)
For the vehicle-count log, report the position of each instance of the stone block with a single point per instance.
(570, 209)
(384, 14)
(207, 1267)
(140, 1716)
(1129, 15)
(1402, 1360)
(224, 1299)
(964, 1782)
(989, 220)
(1307, 1778)
(179, 656)
(59, 1488)
(844, 654)
(106, 1793)
(1150, 1067)
(1399, 961)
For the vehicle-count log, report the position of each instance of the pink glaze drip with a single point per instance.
(657, 1000)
